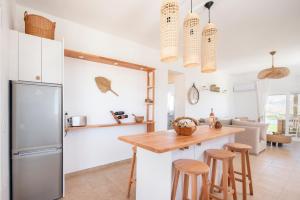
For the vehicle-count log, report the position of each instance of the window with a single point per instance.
(276, 112)
(171, 105)
(294, 105)
(283, 114)
(294, 115)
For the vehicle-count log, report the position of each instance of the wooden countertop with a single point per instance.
(164, 141)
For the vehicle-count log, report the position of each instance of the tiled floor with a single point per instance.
(276, 176)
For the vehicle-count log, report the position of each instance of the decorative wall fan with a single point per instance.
(273, 72)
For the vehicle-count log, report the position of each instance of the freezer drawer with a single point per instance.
(36, 116)
(37, 176)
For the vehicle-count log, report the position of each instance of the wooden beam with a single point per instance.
(104, 60)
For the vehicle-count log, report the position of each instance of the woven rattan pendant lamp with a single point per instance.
(169, 30)
(192, 37)
(208, 50)
(273, 72)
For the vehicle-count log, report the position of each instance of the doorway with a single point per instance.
(176, 96)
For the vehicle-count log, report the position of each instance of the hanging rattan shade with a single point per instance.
(169, 30)
(208, 50)
(192, 43)
(274, 73)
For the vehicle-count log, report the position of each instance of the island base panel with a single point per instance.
(154, 170)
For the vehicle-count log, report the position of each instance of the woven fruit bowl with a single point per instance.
(185, 126)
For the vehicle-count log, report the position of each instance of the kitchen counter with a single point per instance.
(157, 151)
(164, 141)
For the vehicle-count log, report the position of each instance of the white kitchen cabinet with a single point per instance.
(36, 59)
(30, 58)
(52, 57)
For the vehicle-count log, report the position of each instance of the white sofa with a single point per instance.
(255, 134)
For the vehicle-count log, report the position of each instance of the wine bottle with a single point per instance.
(212, 118)
(119, 113)
(122, 116)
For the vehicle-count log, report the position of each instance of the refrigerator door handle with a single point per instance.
(37, 152)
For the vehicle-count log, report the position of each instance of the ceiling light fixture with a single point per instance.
(169, 30)
(273, 72)
(208, 50)
(192, 37)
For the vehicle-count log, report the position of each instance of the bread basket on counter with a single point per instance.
(185, 126)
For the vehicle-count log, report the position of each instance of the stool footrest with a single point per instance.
(219, 196)
(218, 187)
(239, 179)
(240, 173)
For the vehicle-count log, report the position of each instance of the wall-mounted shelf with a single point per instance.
(106, 125)
(150, 87)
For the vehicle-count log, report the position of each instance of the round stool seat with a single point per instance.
(238, 147)
(191, 166)
(220, 154)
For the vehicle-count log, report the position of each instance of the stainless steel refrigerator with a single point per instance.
(36, 131)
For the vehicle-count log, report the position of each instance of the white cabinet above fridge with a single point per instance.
(30, 48)
(35, 59)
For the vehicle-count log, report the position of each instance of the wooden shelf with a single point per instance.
(106, 125)
(105, 60)
(150, 90)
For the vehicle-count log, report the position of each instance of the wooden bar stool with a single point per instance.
(131, 177)
(191, 168)
(243, 149)
(226, 157)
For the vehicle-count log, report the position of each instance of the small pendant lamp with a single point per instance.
(169, 30)
(192, 37)
(208, 50)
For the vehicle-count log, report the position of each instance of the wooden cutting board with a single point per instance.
(104, 84)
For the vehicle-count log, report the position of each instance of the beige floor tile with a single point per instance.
(276, 176)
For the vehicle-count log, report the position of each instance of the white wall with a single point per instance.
(7, 12)
(220, 102)
(245, 103)
(88, 148)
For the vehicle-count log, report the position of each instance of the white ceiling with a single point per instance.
(248, 29)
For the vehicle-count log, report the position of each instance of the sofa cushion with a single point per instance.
(242, 118)
(262, 126)
(226, 122)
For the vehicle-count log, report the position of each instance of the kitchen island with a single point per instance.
(157, 150)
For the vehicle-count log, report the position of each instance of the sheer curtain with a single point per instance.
(262, 92)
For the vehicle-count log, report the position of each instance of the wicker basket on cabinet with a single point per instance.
(39, 26)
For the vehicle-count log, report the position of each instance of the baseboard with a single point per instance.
(77, 173)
